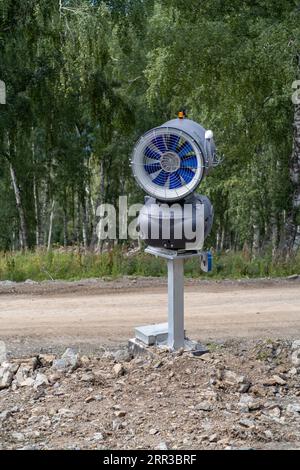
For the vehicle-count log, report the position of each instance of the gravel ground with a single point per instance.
(242, 394)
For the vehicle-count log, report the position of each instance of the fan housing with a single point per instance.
(170, 161)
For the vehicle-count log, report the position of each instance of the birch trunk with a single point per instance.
(78, 220)
(37, 213)
(256, 239)
(50, 226)
(218, 240)
(223, 235)
(45, 207)
(85, 217)
(23, 228)
(100, 198)
(274, 233)
(65, 228)
(84, 224)
(291, 241)
(36, 198)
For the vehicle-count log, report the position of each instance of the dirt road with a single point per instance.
(106, 315)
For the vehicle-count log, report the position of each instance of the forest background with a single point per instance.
(85, 78)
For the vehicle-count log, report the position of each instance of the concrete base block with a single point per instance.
(152, 334)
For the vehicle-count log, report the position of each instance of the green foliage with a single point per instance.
(85, 79)
(57, 264)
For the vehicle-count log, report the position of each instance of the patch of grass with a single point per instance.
(213, 347)
(75, 265)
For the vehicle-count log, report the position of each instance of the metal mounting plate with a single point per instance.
(171, 254)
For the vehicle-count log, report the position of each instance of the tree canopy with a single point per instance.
(85, 79)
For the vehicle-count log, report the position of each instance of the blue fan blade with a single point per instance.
(173, 142)
(175, 181)
(185, 149)
(152, 167)
(161, 178)
(160, 143)
(189, 162)
(186, 174)
(151, 153)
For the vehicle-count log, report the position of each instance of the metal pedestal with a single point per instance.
(175, 303)
(171, 334)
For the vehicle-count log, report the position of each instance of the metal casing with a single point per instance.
(197, 132)
(170, 161)
(177, 226)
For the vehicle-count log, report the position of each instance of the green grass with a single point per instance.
(59, 264)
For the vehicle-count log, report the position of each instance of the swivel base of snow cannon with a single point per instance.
(176, 226)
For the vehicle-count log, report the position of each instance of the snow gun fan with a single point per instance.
(168, 163)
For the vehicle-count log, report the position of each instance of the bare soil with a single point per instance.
(243, 394)
(91, 314)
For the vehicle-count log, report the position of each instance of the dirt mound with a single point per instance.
(240, 395)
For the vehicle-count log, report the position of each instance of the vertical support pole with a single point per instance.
(175, 303)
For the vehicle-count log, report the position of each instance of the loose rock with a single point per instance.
(206, 357)
(118, 370)
(231, 378)
(3, 355)
(162, 446)
(269, 434)
(98, 436)
(296, 358)
(153, 431)
(46, 360)
(66, 413)
(18, 436)
(40, 380)
(293, 408)
(84, 361)
(4, 415)
(22, 377)
(68, 361)
(247, 423)
(122, 355)
(275, 380)
(293, 371)
(296, 344)
(120, 413)
(54, 377)
(204, 406)
(7, 371)
(248, 403)
(89, 399)
(89, 377)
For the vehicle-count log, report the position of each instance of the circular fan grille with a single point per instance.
(167, 163)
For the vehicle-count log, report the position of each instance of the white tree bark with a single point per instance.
(95, 242)
(291, 240)
(65, 228)
(274, 233)
(37, 213)
(23, 228)
(50, 225)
